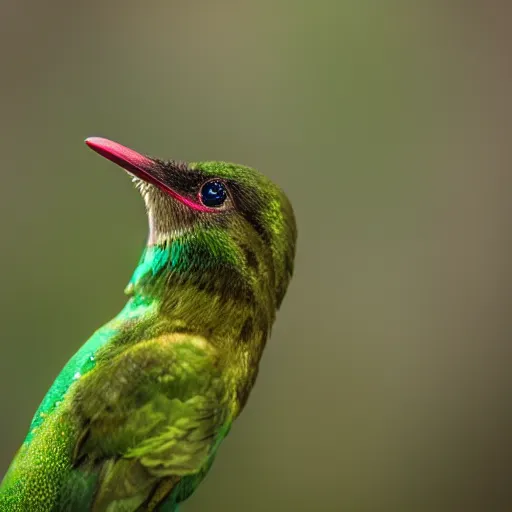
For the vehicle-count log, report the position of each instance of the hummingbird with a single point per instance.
(135, 419)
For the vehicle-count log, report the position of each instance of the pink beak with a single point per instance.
(142, 167)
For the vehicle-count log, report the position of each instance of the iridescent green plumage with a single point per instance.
(134, 420)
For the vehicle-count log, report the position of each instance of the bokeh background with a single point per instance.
(387, 383)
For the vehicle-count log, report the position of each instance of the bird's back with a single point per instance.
(43, 463)
(138, 433)
(41, 469)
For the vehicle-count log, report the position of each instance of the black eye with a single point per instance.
(213, 194)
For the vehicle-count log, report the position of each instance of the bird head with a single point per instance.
(219, 222)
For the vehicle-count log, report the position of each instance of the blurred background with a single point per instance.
(386, 385)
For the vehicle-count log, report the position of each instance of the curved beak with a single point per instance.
(139, 165)
(142, 167)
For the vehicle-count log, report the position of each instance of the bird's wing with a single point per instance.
(149, 417)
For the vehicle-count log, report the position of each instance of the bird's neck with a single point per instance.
(192, 286)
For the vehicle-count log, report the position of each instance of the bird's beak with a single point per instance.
(139, 165)
(143, 168)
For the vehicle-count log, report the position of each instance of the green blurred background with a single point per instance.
(386, 385)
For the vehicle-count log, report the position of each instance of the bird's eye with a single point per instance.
(213, 194)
